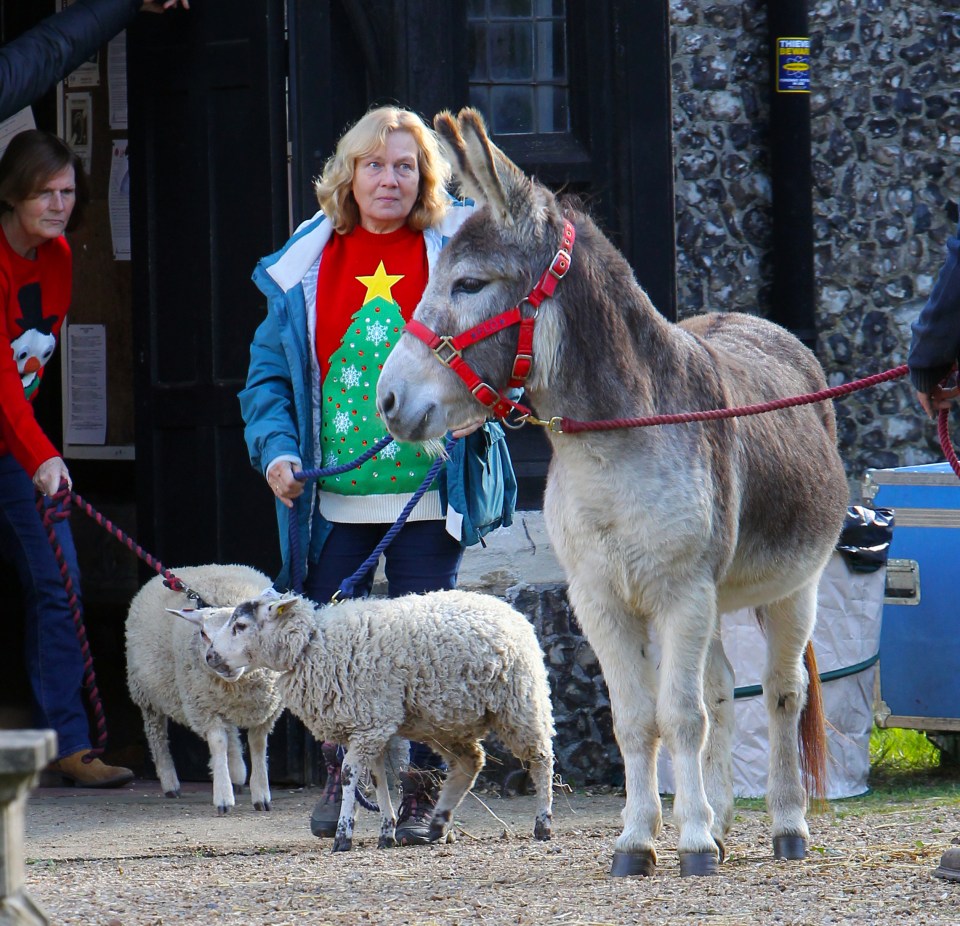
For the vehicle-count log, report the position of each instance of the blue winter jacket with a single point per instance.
(936, 332)
(41, 57)
(281, 401)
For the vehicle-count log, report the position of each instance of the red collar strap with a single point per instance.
(448, 349)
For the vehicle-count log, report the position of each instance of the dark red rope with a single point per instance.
(50, 515)
(946, 444)
(171, 580)
(572, 426)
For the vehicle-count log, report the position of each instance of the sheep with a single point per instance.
(168, 678)
(443, 668)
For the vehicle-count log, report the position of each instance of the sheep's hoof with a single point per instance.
(222, 810)
(342, 844)
(261, 805)
(172, 793)
(626, 864)
(698, 864)
(789, 847)
(542, 829)
(387, 842)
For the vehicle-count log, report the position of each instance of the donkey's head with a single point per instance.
(491, 264)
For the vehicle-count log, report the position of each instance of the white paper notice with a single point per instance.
(18, 122)
(117, 80)
(80, 126)
(86, 384)
(119, 200)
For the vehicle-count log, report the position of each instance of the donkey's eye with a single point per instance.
(468, 285)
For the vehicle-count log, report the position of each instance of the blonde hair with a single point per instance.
(334, 188)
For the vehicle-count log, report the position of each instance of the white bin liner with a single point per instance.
(849, 608)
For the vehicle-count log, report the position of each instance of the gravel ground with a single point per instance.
(135, 858)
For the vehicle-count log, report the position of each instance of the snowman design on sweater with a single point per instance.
(375, 304)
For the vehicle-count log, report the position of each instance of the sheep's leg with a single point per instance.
(217, 740)
(388, 818)
(238, 768)
(259, 782)
(717, 753)
(155, 726)
(464, 766)
(350, 772)
(528, 738)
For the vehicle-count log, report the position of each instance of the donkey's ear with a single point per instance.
(454, 150)
(505, 187)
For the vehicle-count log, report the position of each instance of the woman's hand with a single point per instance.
(49, 474)
(161, 6)
(282, 482)
(467, 429)
(941, 397)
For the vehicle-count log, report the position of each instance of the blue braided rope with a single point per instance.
(347, 586)
(293, 519)
(293, 516)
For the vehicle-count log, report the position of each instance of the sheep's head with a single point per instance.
(239, 644)
(209, 621)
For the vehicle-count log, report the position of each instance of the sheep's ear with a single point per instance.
(194, 615)
(280, 606)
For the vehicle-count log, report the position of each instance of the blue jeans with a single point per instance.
(422, 558)
(54, 660)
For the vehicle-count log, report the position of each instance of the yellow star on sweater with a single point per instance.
(379, 284)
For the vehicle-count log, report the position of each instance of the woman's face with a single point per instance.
(386, 183)
(44, 214)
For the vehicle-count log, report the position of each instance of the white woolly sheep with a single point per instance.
(168, 678)
(443, 668)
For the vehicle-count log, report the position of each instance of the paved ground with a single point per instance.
(135, 858)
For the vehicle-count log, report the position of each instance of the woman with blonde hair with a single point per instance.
(338, 295)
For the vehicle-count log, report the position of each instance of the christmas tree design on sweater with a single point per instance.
(351, 423)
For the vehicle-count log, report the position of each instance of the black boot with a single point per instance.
(418, 798)
(326, 813)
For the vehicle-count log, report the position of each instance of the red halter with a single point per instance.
(448, 349)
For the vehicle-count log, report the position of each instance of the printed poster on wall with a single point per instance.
(119, 200)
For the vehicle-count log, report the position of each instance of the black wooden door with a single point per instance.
(208, 165)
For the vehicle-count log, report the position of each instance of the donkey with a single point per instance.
(660, 530)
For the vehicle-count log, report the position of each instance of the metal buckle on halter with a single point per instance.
(493, 396)
(517, 373)
(446, 341)
(561, 264)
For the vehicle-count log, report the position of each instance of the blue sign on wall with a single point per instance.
(793, 65)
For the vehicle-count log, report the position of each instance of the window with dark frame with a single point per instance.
(518, 65)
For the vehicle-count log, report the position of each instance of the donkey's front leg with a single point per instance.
(621, 643)
(686, 633)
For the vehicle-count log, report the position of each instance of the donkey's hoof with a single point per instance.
(698, 864)
(627, 864)
(789, 847)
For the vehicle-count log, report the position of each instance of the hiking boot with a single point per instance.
(326, 813)
(85, 771)
(418, 798)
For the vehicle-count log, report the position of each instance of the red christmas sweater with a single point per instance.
(34, 298)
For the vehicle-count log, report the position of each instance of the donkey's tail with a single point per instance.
(813, 733)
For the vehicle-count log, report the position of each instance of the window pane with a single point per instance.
(553, 113)
(512, 110)
(511, 9)
(544, 8)
(476, 8)
(511, 52)
(477, 53)
(551, 51)
(480, 99)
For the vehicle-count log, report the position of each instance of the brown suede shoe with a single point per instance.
(91, 774)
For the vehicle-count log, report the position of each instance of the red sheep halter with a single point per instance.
(448, 349)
